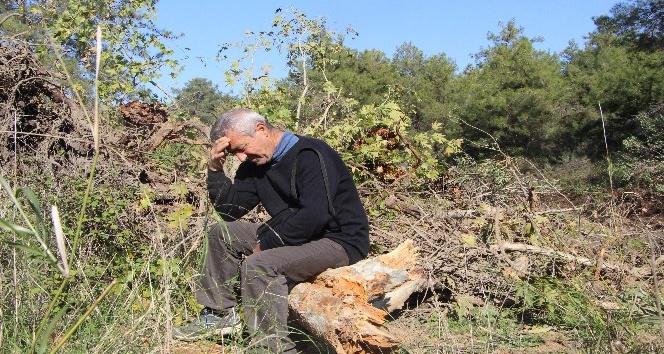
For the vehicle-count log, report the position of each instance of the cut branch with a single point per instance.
(638, 272)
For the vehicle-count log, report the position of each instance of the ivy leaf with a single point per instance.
(179, 216)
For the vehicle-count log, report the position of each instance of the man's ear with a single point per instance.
(261, 127)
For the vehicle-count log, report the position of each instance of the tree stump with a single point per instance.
(345, 307)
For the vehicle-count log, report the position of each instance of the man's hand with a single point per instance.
(218, 154)
(257, 248)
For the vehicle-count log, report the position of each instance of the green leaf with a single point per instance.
(468, 239)
(36, 208)
(328, 87)
(30, 250)
(45, 336)
(179, 216)
(15, 228)
(12, 197)
(539, 330)
(9, 191)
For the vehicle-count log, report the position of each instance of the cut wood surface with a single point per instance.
(346, 306)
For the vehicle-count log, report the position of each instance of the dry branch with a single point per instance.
(170, 130)
(638, 272)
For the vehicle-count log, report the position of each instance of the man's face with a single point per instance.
(257, 149)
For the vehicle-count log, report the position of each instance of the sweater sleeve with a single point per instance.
(232, 200)
(310, 217)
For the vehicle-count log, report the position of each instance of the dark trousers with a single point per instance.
(264, 278)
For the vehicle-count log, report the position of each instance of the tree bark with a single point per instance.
(345, 307)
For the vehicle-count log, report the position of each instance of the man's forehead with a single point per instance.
(232, 134)
(236, 138)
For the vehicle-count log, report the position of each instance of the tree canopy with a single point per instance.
(133, 52)
(200, 98)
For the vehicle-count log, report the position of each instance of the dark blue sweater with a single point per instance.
(309, 218)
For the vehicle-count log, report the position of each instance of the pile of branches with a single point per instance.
(44, 127)
(477, 237)
(37, 118)
(46, 136)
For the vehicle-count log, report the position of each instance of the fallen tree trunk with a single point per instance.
(345, 307)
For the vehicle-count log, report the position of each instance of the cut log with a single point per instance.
(345, 307)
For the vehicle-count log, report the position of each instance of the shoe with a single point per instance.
(209, 323)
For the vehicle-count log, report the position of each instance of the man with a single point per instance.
(318, 222)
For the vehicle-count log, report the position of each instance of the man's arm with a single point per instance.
(230, 200)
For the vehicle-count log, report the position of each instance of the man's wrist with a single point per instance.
(215, 169)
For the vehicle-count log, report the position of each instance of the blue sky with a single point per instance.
(456, 28)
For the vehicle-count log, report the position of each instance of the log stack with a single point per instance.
(345, 307)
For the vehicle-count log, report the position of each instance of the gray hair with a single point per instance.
(240, 120)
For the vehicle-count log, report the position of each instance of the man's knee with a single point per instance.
(222, 237)
(256, 265)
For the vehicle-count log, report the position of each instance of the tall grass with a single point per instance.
(52, 303)
(31, 235)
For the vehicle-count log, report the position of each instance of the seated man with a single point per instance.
(318, 222)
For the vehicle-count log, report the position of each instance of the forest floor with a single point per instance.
(587, 310)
